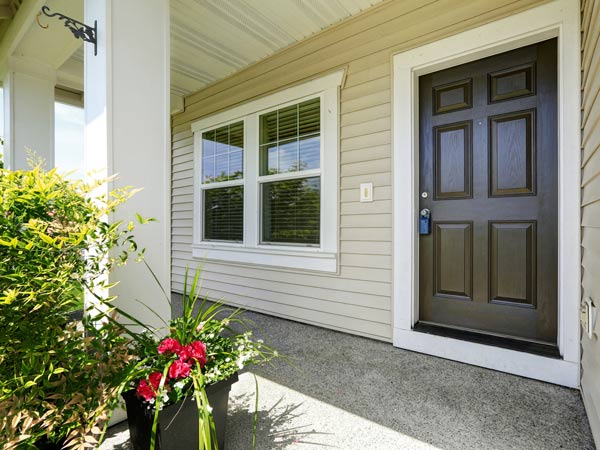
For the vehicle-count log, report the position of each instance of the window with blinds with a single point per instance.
(266, 176)
(291, 211)
(222, 173)
(223, 153)
(289, 174)
(224, 214)
(290, 138)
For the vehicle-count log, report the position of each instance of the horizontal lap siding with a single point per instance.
(590, 181)
(357, 299)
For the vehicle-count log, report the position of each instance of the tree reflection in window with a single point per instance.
(290, 139)
(224, 214)
(291, 211)
(223, 153)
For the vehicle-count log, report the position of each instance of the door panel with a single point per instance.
(452, 160)
(489, 164)
(512, 154)
(513, 263)
(512, 83)
(453, 96)
(453, 259)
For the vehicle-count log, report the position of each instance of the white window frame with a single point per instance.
(216, 184)
(323, 257)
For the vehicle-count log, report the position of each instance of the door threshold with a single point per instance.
(536, 348)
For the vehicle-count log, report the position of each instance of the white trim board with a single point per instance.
(560, 19)
(312, 87)
(322, 258)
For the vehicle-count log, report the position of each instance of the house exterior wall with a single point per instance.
(358, 298)
(590, 182)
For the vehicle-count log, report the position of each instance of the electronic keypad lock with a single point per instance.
(425, 221)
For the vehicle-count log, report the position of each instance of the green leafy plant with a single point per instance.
(58, 382)
(201, 348)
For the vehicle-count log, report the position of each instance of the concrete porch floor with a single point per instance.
(346, 392)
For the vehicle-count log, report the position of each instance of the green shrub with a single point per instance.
(56, 380)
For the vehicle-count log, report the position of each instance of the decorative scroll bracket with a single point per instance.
(80, 30)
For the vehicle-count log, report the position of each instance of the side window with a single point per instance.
(290, 176)
(222, 178)
(266, 184)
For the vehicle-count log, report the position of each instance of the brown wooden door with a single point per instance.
(489, 166)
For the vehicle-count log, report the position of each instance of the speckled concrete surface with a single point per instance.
(346, 392)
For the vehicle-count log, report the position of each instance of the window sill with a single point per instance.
(306, 258)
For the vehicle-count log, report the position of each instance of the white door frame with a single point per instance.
(560, 19)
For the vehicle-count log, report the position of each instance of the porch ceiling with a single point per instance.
(7, 9)
(211, 39)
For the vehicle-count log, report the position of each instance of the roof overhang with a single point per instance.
(209, 40)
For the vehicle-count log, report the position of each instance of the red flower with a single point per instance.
(155, 378)
(179, 369)
(145, 391)
(198, 352)
(169, 345)
(185, 353)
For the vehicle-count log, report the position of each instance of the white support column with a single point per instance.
(128, 133)
(28, 113)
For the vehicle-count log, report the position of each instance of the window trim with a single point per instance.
(300, 174)
(316, 258)
(202, 186)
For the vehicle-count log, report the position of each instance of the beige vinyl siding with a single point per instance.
(590, 193)
(359, 298)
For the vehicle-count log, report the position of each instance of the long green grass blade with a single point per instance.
(167, 297)
(255, 421)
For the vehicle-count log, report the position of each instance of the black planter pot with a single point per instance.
(45, 444)
(177, 424)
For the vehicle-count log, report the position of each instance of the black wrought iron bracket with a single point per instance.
(80, 30)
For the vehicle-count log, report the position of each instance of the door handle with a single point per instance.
(425, 221)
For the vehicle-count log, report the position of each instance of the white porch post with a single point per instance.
(28, 112)
(127, 132)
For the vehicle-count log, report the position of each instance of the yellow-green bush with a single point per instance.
(55, 241)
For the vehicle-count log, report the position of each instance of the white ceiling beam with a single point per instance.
(72, 79)
(68, 96)
(17, 30)
(54, 43)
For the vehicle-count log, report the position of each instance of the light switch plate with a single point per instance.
(588, 317)
(366, 192)
(584, 316)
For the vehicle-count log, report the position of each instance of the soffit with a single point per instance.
(58, 42)
(211, 39)
(8, 8)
